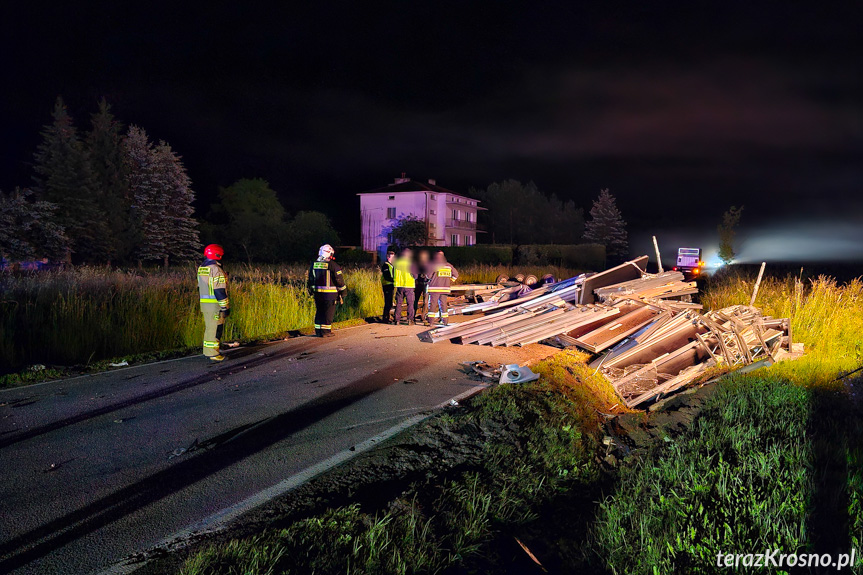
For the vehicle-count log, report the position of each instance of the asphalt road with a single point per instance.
(98, 467)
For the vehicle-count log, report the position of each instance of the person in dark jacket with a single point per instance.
(388, 284)
(441, 273)
(327, 286)
(423, 265)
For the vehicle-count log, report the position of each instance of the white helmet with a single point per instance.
(326, 252)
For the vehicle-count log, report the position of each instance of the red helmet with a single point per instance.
(214, 252)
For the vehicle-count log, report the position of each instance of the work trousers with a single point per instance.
(421, 292)
(439, 301)
(325, 311)
(214, 325)
(389, 292)
(405, 295)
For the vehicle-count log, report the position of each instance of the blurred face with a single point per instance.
(391, 257)
(424, 257)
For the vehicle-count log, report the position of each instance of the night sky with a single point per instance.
(681, 111)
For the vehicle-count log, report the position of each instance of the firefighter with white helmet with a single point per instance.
(213, 292)
(327, 285)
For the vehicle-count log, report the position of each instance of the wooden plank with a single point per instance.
(611, 333)
(626, 271)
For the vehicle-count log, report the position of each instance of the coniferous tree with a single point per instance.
(110, 170)
(606, 226)
(63, 177)
(146, 187)
(180, 227)
(727, 230)
(28, 229)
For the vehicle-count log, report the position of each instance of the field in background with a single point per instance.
(87, 314)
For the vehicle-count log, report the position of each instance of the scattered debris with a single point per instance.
(36, 367)
(653, 339)
(233, 344)
(514, 373)
(119, 364)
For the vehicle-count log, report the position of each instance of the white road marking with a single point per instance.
(221, 519)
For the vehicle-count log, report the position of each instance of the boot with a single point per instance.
(319, 332)
(328, 333)
(432, 322)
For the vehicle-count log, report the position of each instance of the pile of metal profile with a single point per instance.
(652, 339)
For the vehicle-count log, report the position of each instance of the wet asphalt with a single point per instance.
(95, 468)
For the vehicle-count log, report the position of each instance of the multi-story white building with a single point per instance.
(450, 218)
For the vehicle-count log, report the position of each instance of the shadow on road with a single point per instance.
(210, 375)
(243, 443)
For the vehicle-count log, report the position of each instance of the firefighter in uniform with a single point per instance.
(388, 284)
(213, 291)
(405, 281)
(441, 273)
(327, 286)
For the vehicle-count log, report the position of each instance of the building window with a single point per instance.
(456, 215)
(432, 197)
(468, 241)
(454, 240)
(391, 213)
(432, 212)
(470, 216)
(392, 197)
(431, 225)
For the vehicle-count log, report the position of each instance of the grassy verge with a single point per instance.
(773, 460)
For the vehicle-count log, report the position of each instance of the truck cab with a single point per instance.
(689, 262)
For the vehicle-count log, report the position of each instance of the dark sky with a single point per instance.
(681, 110)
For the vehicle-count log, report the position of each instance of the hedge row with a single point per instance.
(574, 256)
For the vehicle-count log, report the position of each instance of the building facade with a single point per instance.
(450, 218)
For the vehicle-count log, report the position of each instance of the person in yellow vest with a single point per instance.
(213, 291)
(327, 285)
(405, 282)
(388, 284)
(441, 274)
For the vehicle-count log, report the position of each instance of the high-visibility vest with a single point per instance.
(212, 284)
(403, 277)
(441, 278)
(387, 274)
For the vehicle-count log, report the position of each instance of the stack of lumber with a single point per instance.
(653, 340)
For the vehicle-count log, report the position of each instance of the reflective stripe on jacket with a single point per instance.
(405, 274)
(326, 278)
(387, 274)
(213, 284)
(440, 277)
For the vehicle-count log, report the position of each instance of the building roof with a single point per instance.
(408, 185)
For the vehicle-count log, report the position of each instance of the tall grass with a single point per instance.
(84, 314)
(87, 314)
(756, 469)
(826, 316)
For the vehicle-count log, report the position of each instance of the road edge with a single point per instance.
(221, 519)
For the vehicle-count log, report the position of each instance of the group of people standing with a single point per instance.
(405, 280)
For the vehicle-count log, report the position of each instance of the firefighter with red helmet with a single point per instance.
(213, 291)
(440, 274)
(327, 285)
